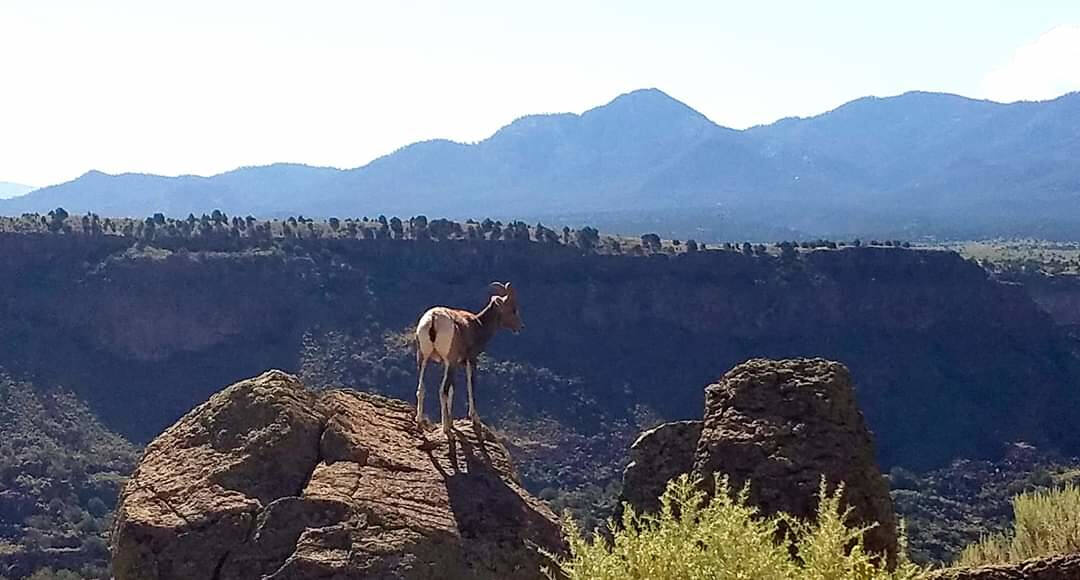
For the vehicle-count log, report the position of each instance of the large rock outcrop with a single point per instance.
(782, 426)
(270, 480)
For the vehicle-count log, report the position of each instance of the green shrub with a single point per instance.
(694, 537)
(1046, 523)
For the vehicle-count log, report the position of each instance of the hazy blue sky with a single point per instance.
(206, 86)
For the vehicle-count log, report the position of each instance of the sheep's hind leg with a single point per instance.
(420, 390)
(446, 390)
(470, 369)
(450, 400)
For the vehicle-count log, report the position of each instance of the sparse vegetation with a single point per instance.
(1046, 523)
(953, 507)
(1022, 256)
(60, 471)
(694, 537)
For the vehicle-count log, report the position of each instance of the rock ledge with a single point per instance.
(1065, 567)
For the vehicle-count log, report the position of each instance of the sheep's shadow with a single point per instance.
(473, 459)
(487, 503)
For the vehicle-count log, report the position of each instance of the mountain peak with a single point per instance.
(651, 106)
(649, 101)
(912, 101)
(649, 93)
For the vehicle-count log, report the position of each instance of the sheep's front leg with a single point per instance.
(470, 368)
(420, 392)
(446, 391)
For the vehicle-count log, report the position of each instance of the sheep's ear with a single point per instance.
(499, 289)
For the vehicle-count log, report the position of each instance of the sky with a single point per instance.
(203, 87)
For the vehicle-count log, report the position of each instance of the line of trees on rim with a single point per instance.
(219, 227)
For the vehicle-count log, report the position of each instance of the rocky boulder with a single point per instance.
(657, 456)
(781, 425)
(270, 480)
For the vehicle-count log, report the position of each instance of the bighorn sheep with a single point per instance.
(456, 338)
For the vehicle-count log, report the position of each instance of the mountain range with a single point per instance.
(914, 165)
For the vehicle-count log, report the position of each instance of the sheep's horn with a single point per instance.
(499, 288)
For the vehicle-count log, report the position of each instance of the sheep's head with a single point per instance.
(504, 299)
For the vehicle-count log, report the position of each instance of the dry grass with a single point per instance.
(1047, 522)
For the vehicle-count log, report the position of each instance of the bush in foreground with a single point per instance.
(694, 537)
(1046, 523)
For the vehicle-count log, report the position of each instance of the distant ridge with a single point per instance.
(8, 189)
(912, 165)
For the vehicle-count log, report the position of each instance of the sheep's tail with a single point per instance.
(431, 333)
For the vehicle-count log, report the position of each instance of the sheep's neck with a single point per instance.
(488, 319)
